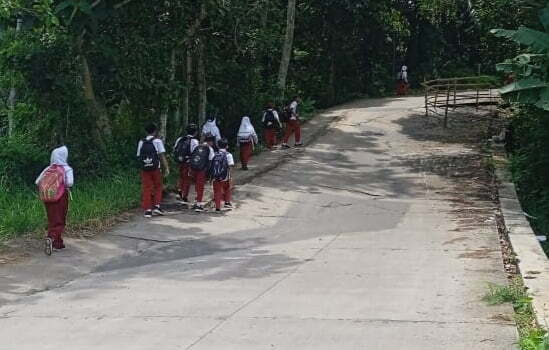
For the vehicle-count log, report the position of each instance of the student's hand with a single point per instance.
(167, 172)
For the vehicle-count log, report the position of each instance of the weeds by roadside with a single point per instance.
(93, 201)
(532, 337)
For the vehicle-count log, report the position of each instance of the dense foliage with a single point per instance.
(529, 95)
(93, 72)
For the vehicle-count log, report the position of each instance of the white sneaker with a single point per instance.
(158, 211)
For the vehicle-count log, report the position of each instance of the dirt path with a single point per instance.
(380, 235)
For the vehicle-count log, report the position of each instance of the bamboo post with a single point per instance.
(447, 104)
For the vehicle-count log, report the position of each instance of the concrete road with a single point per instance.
(359, 242)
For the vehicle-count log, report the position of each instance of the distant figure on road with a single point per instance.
(293, 125)
(54, 184)
(402, 83)
(271, 123)
(247, 139)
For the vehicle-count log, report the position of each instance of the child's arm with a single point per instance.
(165, 164)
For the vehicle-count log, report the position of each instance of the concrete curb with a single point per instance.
(532, 261)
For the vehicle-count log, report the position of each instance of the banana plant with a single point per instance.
(531, 68)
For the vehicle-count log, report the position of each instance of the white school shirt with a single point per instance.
(157, 143)
(293, 109)
(275, 113)
(194, 143)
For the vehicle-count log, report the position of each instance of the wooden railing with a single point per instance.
(441, 95)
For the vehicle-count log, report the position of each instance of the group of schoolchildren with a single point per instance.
(200, 155)
(272, 123)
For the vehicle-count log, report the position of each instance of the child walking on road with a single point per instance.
(247, 139)
(293, 125)
(200, 164)
(183, 149)
(151, 153)
(54, 184)
(221, 176)
(271, 123)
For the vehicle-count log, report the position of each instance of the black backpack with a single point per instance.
(148, 156)
(220, 167)
(200, 158)
(286, 115)
(270, 120)
(182, 152)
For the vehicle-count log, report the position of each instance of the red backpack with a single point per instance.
(52, 185)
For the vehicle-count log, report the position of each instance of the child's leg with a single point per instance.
(297, 128)
(185, 179)
(146, 190)
(57, 217)
(269, 138)
(158, 187)
(245, 153)
(200, 182)
(218, 193)
(227, 191)
(289, 131)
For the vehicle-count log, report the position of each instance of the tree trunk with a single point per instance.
(163, 123)
(165, 111)
(188, 87)
(13, 94)
(202, 87)
(287, 49)
(103, 126)
(333, 87)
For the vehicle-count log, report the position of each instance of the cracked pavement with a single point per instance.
(351, 244)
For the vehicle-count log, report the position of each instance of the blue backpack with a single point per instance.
(219, 169)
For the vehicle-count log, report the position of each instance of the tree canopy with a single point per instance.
(92, 73)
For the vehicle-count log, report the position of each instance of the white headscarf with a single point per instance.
(247, 130)
(60, 156)
(404, 73)
(211, 128)
(246, 127)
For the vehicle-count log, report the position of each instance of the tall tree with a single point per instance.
(288, 47)
(13, 92)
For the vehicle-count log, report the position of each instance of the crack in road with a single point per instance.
(351, 190)
(151, 239)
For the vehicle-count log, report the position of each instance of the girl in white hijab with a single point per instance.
(211, 129)
(57, 211)
(402, 83)
(247, 139)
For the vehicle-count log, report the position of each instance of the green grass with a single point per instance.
(93, 201)
(532, 337)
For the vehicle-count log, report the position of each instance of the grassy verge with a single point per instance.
(532, 337)
(93, 201)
